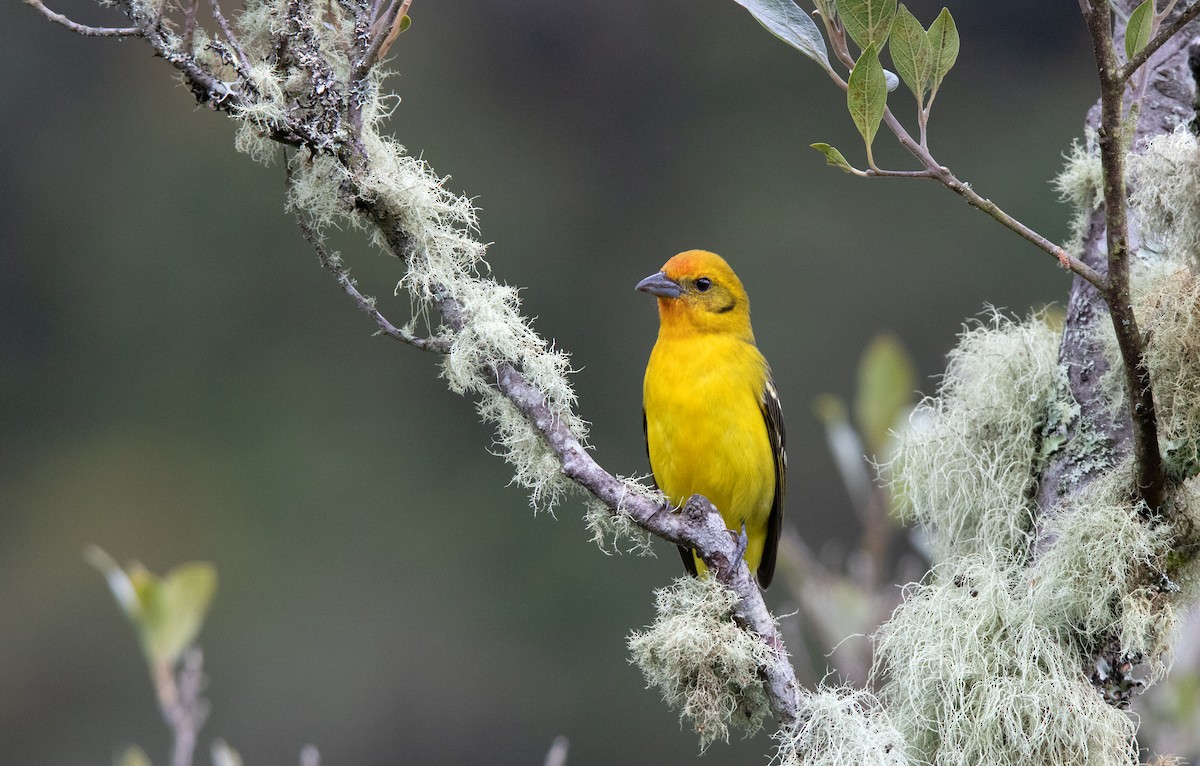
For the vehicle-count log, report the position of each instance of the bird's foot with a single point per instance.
(742, 541)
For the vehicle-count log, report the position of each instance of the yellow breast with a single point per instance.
(705, 429)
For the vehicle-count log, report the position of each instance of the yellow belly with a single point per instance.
(705, 430)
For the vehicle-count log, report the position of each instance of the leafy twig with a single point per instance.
(943, 175)
(1165, 33)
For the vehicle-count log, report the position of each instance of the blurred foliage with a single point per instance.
(167, 612)
(132, 756)
(887, 380)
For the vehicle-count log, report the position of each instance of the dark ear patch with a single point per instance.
(726, 308)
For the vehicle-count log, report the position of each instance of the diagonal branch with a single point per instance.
(1165, 33)
(243, 61)
(333, 264)
(943, 175)
(318, 127)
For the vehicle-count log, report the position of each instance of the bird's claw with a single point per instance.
(743, 540)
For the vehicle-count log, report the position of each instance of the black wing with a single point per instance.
(689, 561)
(773, 415)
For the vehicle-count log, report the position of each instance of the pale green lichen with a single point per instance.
(436, 238)
(616, 532)
(965, 468)
(1166, 192)
(1168, 309)
(536, 466)
(1081, 184)
(703, 662)
(1104, 574)
(314, 190)
(840, 727)
(1166, 302)
(260, 114)
(974, 675)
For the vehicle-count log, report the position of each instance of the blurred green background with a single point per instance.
(180, 380)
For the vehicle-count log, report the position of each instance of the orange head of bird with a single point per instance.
(698, 292)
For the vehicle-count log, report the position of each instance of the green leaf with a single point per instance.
(827, 8)
(789, 22)
(833, 157)
(405, 22)
(118, 581)
(867, 21)
(943, 42)
(1139, 28)
(886, 381)
(866, 94)
(911, 52)
(183, 599)
(133, 756)
(166, 611)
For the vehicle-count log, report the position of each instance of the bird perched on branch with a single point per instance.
(711, 415)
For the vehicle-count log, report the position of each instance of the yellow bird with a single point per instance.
(710, 411)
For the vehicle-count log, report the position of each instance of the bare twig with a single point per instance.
(83, 29)
(227, 30)
(1165, 33)
(332, 263)
(383, 34)
(189, 23)
(880, 173)
(181, 705)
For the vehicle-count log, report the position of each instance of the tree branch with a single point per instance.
(317, 127)
(83, 29)
(942, 174)
(1165, 33)
(181, 705)
(242, 61)
(333, 264)
(1150, 479)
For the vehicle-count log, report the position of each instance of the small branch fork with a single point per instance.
(942, 174)
(1164, 33)
(1113, 285)
(332, 125)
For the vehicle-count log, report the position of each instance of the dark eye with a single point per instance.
(703, 283)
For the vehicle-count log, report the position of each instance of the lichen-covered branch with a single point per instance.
(304, 77)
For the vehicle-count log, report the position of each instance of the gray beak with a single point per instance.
(661, 285)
